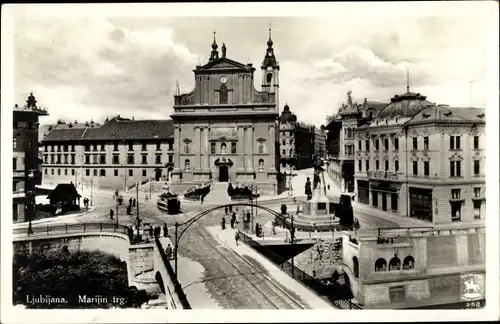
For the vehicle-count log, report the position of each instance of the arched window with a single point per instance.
(187, 165)
(223, 148)
(395, 264)
(355, 266)
(386, 165)
(269, 77)
(380, 265)
(408, 263)
(261, 165)
(223, 95)
(396, 166)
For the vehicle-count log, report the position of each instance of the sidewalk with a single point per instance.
(53, 219)
(190, 275)
(226, 238)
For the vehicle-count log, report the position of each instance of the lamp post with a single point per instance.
(31, 194)
(176, 247)
(91, 188)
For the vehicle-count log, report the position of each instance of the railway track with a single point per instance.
(275, 296)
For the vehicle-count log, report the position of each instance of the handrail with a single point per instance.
(90, 227)
(314, 284)
(177, 286)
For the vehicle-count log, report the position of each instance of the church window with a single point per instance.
(269, 77)
(187, 165)
(223, 95)
(233, 148)
(212, 148)
(186, 147)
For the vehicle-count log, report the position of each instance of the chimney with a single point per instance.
(70, 125)
(91, 123)
(86, 124)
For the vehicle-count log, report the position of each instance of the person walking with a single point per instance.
(233, 220)
(130, 202)
(237, 237)
(225, 210)
(30, 228)
(165, 230)
(168, 252)
(257, 230)
(223, 223)
(111, 213)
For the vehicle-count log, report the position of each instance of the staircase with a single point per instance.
(218, 194)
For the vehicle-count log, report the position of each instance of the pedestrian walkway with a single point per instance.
(218, 194)
(190, 277)
(226, 238)
(55, 218)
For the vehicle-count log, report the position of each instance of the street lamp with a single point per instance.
(292, 236)
(91, 188)
(31, 193)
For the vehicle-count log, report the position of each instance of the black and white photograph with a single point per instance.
(331, 157)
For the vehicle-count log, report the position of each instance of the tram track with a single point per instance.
(275, 296)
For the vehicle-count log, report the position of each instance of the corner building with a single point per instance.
(226, 130)
(25, 161)
(422, 160)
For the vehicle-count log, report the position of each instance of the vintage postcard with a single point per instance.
(165, 162)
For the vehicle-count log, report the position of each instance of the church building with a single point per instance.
(224, 129)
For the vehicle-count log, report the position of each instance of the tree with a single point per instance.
(71, 275)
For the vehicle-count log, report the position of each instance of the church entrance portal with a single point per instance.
(223, 173)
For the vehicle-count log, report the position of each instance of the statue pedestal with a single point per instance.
(317, 214)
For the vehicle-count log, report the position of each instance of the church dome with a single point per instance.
(287, 116)
(405, 105)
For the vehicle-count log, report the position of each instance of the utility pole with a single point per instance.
(137, 209)
(176, 246)
(91, 188)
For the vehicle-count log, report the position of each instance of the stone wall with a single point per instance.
(141, 258)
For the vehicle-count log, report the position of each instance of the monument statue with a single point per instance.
(318, 173)
(349, 97)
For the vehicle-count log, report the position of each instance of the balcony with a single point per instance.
(383, 175)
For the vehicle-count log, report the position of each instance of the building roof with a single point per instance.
(287, 116)
(116, 129)
(445, 113)
(405, 105)
(127, 129)
(69, 134)
(377, 105)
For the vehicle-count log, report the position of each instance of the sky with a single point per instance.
(82, 63)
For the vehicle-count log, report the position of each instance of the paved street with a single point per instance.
(229, 279)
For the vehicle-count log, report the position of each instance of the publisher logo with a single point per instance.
(472, 287)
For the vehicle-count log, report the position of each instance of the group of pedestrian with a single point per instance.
(169, 252)
(155, 231)
(131, 203)
(86, 203)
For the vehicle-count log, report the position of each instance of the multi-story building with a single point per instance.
(296, 142)
(225, 129)
(116, 155)
(340, 143)
(320, 141)
(423, 160)
(26, 172)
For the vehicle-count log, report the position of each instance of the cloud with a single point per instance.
(99, 66)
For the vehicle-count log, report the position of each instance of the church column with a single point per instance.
(241, 147)
(272, 145)
(177, 142)
(249, 148)
(196, 146)
(207, 149)
(240, 88)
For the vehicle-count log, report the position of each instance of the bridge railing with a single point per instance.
(312, 283)
(177, 286)
(47, 230)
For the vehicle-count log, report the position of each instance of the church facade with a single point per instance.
(224, 129)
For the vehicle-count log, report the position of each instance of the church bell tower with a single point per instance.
(270, 71)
